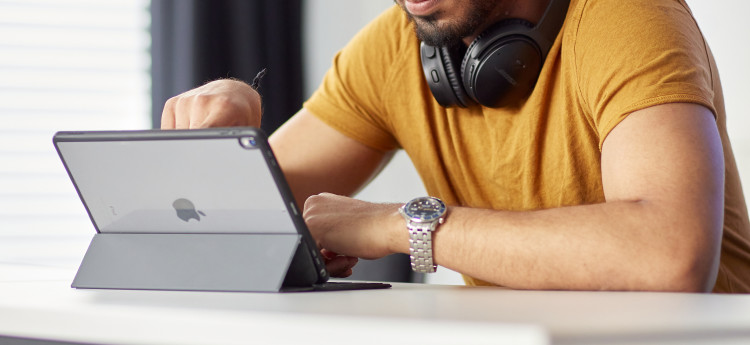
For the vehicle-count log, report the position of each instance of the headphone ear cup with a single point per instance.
(450, 56)
(438, 65)
(501, 65)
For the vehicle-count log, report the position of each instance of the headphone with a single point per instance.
(499, 68)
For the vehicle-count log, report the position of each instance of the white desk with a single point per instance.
(33, 307)
(36, 301)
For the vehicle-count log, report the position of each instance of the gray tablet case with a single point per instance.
(205, 210)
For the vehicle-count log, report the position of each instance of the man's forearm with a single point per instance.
(660, 229)
(610, 246)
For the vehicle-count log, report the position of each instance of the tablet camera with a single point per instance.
(248, 142)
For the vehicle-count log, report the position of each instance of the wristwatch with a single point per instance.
(422, 215)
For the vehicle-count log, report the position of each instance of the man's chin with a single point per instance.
(432, 34)
(443, 28)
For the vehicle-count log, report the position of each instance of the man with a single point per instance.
(614, 173)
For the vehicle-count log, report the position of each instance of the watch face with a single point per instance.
(425, 209)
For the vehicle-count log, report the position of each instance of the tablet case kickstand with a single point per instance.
(196, 262)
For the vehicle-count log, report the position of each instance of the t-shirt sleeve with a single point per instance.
(350, 98)
(628, 59)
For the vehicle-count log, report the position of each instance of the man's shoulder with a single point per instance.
(634, 14)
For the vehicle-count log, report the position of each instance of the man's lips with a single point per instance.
(421, 7)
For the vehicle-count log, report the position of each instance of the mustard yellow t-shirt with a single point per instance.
(611, 58)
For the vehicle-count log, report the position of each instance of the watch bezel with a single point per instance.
(423, 217)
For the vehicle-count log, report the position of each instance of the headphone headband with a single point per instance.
(552, 20)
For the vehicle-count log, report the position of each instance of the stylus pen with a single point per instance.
(258, 77)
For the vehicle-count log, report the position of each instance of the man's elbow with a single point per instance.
(694, 272)
(696, 281)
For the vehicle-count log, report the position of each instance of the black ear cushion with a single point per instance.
(491, 32)
(449, 57)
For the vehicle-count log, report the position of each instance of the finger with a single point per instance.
(221, 111)
(327, 254)
(341, 266)
(348, 273)
(219, 117)
(167, 115)
(182, 109)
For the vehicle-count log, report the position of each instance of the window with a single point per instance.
(64, 65)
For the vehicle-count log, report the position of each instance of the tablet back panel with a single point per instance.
(177, 182)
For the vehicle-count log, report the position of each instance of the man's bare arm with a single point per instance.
(316, 158)
(659, 229)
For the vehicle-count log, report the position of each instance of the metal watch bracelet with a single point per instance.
(420, 248)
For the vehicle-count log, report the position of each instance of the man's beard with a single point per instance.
(433, 33)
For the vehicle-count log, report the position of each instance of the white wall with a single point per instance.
(329, 24)
(327, 27)
(725, 26)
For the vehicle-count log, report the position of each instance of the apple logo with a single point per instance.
(186, 210)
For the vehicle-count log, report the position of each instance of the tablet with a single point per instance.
(206, 181)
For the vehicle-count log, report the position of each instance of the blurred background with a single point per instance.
(95, 65)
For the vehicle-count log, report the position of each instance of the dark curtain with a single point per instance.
(197, 41)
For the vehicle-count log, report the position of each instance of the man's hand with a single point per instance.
(338, 266)
(354, 228)
(220, 103)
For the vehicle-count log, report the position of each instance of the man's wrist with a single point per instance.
(398, 236)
